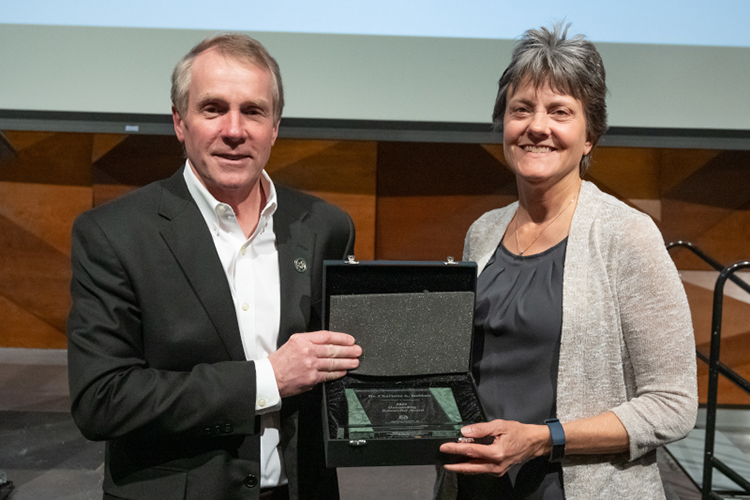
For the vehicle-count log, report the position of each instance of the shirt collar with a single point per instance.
(212, 209)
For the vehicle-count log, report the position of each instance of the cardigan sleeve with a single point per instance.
(659, 346)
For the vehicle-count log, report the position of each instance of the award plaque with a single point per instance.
(402, 413)
(413, 389)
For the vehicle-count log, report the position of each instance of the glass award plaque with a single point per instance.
(402, 413)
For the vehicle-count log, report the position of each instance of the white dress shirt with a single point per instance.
(252, 269)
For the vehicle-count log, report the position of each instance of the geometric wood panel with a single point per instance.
(45, 210)
(340, 172)
(627, 173)
(429, 194)
(137, 160)
(409, 201)
(736, 355)
(735, 315)
(735, 336)
(631, 175)
(22, 329)
(35, 277)
(49, 158)
(711, 208)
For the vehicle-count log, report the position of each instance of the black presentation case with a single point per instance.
(414, 321)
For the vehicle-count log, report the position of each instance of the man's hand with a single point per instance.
(514, 443)
(307, 359)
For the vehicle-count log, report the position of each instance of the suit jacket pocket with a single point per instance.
(165, 483)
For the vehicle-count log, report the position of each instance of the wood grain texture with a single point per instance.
(429, 194)
(45, 210)
(410, 201)
(34, 275)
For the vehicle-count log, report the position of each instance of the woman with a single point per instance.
(580, 317)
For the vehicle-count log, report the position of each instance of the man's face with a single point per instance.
(228, 127)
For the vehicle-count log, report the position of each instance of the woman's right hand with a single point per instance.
(513, 443)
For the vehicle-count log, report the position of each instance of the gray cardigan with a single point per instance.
(627, 341)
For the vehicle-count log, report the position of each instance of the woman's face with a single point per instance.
(544, 134)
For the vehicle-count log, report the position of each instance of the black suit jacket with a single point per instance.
(155, 359)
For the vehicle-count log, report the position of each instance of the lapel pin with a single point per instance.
(300, 265)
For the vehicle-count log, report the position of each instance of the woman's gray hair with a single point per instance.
(235, 45)
(571, 66)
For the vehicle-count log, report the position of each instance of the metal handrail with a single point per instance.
(708, 260)
(709, 461)
(715, 368)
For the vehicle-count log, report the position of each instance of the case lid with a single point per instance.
(410, 318)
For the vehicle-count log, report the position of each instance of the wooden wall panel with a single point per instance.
(628, 173)
(121, 164)
(35, 277)
(340, 172)
(411, 201)
(45, 210)
(21, 328)
(44, 158)
(429, 194)
(137, 160)
(677, 165)
(41, 193)
(735, 319)
(711, 207)
(104, 143)
(736, 355)
(735, 334)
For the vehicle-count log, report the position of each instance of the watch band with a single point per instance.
(557, 434)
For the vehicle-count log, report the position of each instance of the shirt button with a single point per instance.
(251, 481)
(262, 402)
(243, 251)
(245, 306)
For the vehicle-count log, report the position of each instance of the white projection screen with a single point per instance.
(678, 71)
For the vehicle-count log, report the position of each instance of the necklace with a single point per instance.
(518, 245)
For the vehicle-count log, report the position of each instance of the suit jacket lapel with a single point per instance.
(190, 241)
(295, 244)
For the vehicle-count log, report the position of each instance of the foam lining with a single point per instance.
(404, 334)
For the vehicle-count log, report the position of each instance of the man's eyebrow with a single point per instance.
(262, 102)
(208, 98)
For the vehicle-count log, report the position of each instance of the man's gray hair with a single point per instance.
(234, 45)
(571, 66)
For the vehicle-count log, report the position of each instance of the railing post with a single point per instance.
(713, 376)
(713, 387)
(714, 365)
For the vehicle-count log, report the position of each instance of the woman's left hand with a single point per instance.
(513, 443)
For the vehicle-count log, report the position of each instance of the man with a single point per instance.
(187, 295)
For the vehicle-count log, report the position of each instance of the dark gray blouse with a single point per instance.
(517, 326)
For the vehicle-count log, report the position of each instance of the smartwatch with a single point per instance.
(557, 434)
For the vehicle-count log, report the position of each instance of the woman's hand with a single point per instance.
(514, 443)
